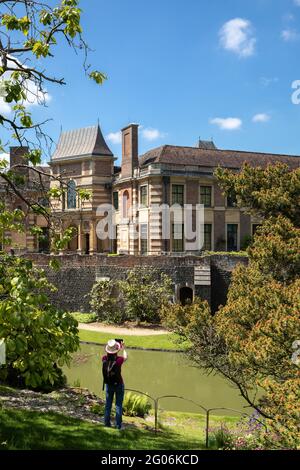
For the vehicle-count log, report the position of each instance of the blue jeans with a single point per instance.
(110, 391)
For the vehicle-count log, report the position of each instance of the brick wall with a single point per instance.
(219, 199)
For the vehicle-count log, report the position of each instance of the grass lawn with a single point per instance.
(31, 430)
(165, 342)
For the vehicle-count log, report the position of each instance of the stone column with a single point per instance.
(80, 241)
(93, 238)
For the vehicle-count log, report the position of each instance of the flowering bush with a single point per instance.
(249, 434)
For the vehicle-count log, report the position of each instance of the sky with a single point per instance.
(184, 69)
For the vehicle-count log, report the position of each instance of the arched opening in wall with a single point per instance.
(186, 295)
(73, 243)
(125, 204)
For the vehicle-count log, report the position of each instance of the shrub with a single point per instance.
(246, 242)
(222, 438)
(106, 301)
(136, 405)
(39, 339)
(84, 317)
(250, 433)
(145, 291)
(139, 297)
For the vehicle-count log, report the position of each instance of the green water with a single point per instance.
(158, 373)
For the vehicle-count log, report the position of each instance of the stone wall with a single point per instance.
(78, 274)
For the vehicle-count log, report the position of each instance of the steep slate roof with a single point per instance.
(194, 156)
(206, 145)
(80, 142)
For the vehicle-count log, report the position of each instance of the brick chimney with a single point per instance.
(16, 157)
(130, 159)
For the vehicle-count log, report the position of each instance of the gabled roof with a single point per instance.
(80, 142)
(212, 158)
(206, 144)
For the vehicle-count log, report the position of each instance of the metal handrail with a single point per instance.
(206, 410)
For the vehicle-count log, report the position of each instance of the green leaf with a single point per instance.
(54, 264)
(98, 77)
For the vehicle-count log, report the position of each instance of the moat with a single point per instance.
(158, 373)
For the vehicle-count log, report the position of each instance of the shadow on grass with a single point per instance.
(36, 431)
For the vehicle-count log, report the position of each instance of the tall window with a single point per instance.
(177, 238)
(114, 241)
(207, 237)
(231, 200)
(205, 196)
(232, 237)
(178, 194)
(44, 241)
(143, 196)
(125, 201)
(71, 195)
(116, 200)
(144, 239)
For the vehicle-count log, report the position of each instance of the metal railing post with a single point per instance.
(156, 415)
(207, 429)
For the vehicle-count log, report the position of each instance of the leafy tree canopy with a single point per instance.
(252, 339)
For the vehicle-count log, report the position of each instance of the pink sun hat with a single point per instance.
(112, 347)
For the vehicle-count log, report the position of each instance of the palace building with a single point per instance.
(165, 175)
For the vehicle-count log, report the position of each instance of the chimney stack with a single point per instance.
(17, 157)
(130, 159)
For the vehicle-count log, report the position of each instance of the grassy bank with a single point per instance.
(31, 430)
(159, 342)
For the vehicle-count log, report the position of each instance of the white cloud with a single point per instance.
(148, 133)
(227, 124)
(237, 36)
(265, 81)
(34, 96)
(290, 35)
(114, 137)
(152, 134)
(4, 107)
(4, 156)
(261, 117)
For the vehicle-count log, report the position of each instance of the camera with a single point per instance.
(119, 340)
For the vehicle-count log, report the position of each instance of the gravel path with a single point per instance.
(122, 330)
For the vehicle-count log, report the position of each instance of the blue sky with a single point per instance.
(184, 69)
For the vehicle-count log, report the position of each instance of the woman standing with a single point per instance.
(112, 378)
